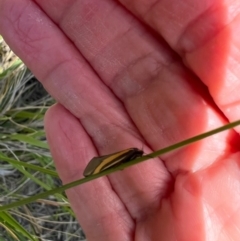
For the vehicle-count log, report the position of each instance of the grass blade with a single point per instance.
(121, 167)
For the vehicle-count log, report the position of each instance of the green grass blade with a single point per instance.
(124, 165)
(23, 114)
(17, 63)
(27, 165)
(29, 140)
(15, 226)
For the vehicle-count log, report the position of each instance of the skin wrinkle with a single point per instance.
(68, 95)
(105, 234)
(24, 34)
(150, 103)
(25, 38)
(103, 22)
(176, 23)
(181, 43)
(144, 194)
(91, 31)
(129, 71)
(103, 50)
(125, 220)
(103, 65)
(51, 72)
(91, 11)
(151, 7)
(66, 8)
(104, 136)
(85, 25)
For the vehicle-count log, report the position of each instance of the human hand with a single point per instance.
(123, 84)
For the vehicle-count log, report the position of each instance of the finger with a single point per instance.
(72, 148)
(206, 35)
(69, 78)
(158, 92)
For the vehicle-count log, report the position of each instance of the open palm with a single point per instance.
(140, 73)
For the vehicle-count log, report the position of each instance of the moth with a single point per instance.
(101, 163)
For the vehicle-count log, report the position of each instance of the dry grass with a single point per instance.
(23, 102)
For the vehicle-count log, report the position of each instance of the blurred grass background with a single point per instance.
(26, 166)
